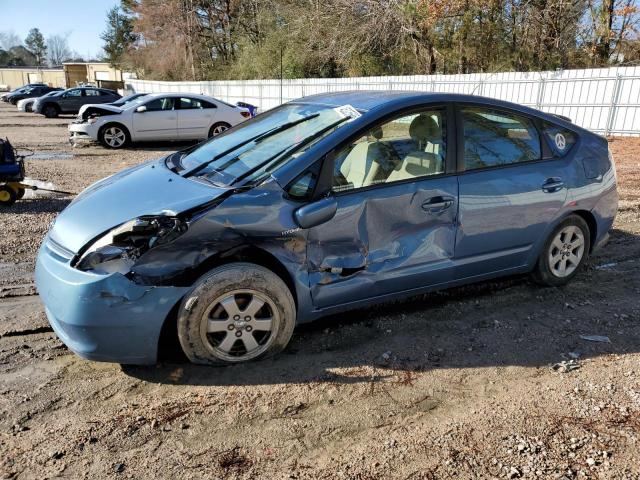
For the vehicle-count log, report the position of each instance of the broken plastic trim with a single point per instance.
(118, 249)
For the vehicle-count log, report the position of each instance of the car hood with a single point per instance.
(147, 189)
(102, 106)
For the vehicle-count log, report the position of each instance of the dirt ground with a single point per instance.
(457, 384)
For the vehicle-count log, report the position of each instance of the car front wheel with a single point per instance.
(236, 313)
(50, 111)
(113, 136)
(564, 253)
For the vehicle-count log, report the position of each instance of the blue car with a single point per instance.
(324, 204)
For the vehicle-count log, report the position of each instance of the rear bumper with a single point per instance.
(105, 318)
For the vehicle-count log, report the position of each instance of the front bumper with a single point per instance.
(82, 132)
(105, 318)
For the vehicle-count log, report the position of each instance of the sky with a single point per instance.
(84, 21)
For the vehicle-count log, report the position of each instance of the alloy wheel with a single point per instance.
(566, 251)
(218, 129)
(239, 325)
(114, 137)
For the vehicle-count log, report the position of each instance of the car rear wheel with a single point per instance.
(50, 111)
(8, 196)
(564, 253)
(218, 128)
(113, 136)
(236, 313)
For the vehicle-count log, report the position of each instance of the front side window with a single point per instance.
(407, 147)
(493, 138)
(160, 104)
(74, 93)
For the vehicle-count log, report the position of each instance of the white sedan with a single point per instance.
(157, 116)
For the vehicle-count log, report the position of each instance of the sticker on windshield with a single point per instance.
(561, 142)
(347, 111)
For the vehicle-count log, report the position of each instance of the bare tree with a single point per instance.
(9, 39)
(58, 49)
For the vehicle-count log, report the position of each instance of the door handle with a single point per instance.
(552, 184)
(437, 204)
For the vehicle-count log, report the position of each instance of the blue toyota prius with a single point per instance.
(323, 204)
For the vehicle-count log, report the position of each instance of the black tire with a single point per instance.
(20, 193)
(109, 129)
(216, 127)
(28, 108)
(204, 304)
(50, 110)
(8, 196)
(546, 274)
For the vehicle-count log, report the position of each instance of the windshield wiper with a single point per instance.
(256, 138)
(288, 150)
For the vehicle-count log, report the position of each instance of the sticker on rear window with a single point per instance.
(561, 142)
(347, 111)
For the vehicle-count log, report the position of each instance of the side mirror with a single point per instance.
(317, 212)
(141, 109)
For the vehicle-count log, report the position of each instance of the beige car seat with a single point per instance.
(368, 161)
(427, 159)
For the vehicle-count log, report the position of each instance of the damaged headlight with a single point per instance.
(118, 250)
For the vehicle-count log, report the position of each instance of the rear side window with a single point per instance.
(189, 103)
(92, 93)
(560, 139)
(493, 138)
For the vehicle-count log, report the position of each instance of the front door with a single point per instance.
(71, 100)
(158, 122)
(394, 229)
(509, 192)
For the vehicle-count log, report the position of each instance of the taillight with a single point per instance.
(613, 164)
(245, 114)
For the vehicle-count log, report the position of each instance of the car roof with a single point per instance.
(366, 100)
(180, 94)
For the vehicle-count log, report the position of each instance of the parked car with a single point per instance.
(72, 99)
(30, 92)
(321, 205)
(26, 104)
(157, 116)
(5, 96)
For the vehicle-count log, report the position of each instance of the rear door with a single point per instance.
(394, 229)
(511, 188)
(93, 95)
(158, 122)
(195, 116)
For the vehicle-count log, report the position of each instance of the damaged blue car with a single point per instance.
(324, 204)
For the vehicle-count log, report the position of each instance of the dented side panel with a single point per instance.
(383, 240)
(260, 219)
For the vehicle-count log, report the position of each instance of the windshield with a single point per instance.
(255, 148)
(133, 98)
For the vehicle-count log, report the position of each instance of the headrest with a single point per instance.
(376, 133)
(423, 128)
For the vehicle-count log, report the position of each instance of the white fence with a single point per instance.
(603, 100)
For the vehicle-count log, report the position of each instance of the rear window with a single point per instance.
(493, 138)
(560, 139)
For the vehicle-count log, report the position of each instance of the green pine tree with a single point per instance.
(35, 44)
